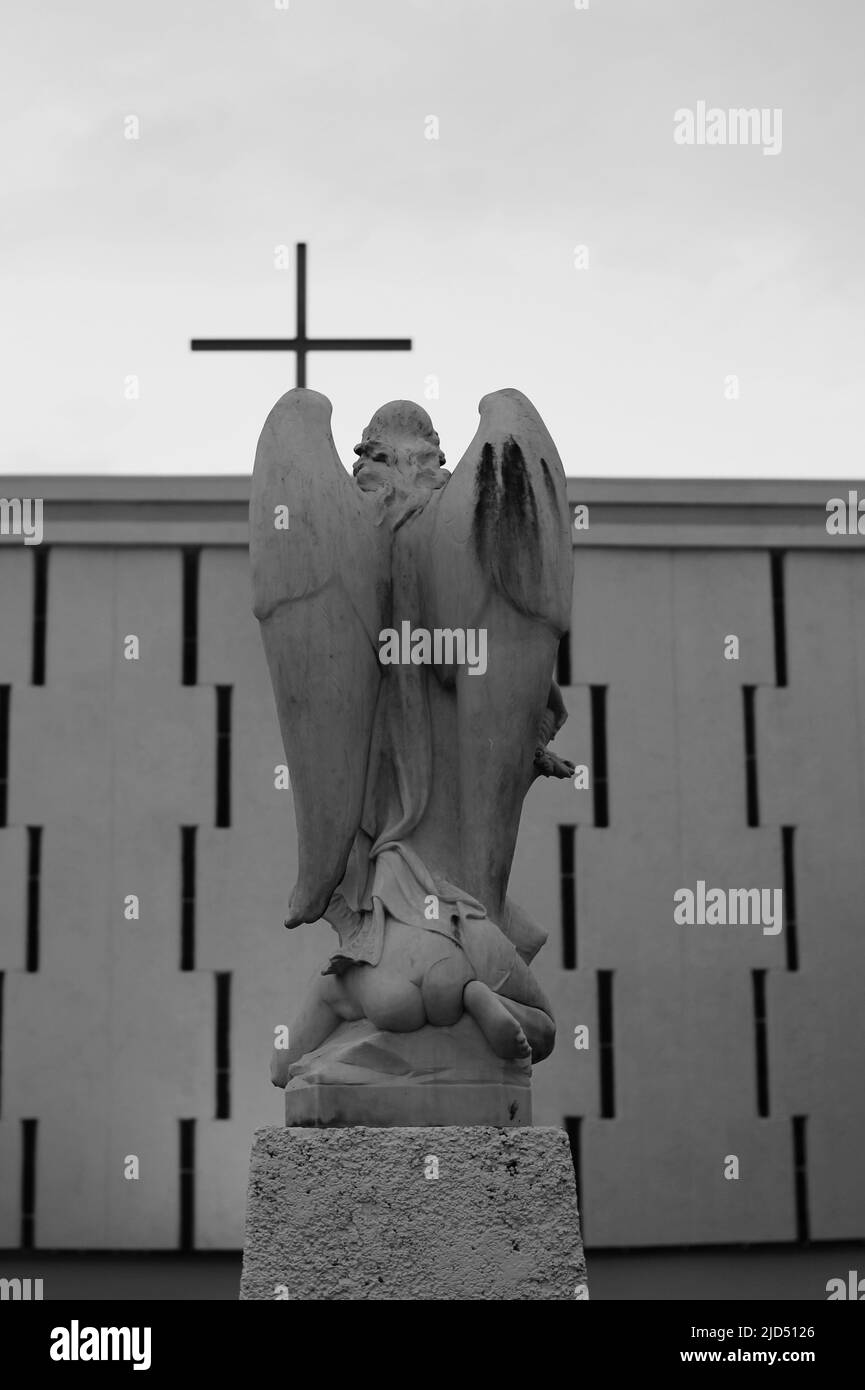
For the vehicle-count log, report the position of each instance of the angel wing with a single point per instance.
(320, 588)
(500, 559)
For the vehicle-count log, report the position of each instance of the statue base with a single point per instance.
(363, 1075)
(458, 1212)
(394, 1105)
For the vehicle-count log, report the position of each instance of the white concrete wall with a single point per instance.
(108, 1045)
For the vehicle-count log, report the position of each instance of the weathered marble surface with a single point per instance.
(435, 1076)
(357, 1214)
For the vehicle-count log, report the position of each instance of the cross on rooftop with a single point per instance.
(300, 345)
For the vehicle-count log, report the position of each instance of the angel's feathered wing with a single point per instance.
(500, 559)
(320, 587)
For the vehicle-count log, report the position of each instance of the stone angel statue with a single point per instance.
(411, 618)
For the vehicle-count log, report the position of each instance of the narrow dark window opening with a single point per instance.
(189, 654)
(5, 701)
(223, 755)
(752, 805)
(599, 755)
(34, 872)
(568, 889)
(187, 1184)
(563, 661)
(223, 1046)
(40, 613)
(187, 897)
(761, 1043)
(779, 616)
(28, 1184)
(605, 1032)
(800, 1170)
(791, 932)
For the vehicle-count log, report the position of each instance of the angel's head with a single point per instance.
(399, 452)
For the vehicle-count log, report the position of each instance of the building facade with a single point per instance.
(709, 1075)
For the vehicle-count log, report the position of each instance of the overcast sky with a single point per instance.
(261, 127)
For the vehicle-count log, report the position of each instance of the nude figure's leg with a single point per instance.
(537, 1026)
(523, 997)
(324, 1010)
(442, 988)
(498, 1024)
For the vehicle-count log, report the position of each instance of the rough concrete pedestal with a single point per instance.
(453, 1212)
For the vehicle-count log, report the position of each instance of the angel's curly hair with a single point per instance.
(400, 427)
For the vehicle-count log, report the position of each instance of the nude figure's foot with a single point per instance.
(500, 1028)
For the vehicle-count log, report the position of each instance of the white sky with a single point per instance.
(262, 127)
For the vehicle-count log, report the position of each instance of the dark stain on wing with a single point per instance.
(486, 502)
(518, 495)
(548, 479)
(505, 526)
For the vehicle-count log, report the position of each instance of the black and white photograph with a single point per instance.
(432, 669)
